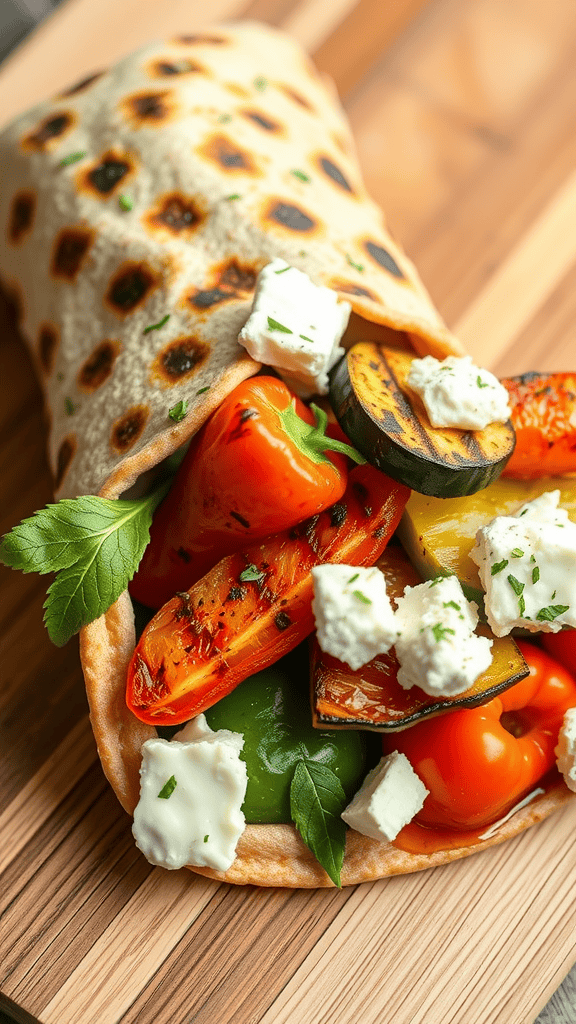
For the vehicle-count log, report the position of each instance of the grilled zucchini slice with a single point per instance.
(388, 423)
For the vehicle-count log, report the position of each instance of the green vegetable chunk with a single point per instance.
(272, 710)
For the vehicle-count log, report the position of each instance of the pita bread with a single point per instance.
(149, 196)
(230, 151)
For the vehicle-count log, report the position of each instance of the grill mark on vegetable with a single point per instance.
(184, 555)
(236, 594)
(240, 519)
(282, 620)
(405, 409)
(238, 432)
(186, 610)
(338, 513)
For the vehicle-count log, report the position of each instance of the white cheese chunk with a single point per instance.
(295, 326)
(354, 617)
(527, 566)
(199, 819)
(436, 646)
(566, 749)
(391, 795)
(456, 393)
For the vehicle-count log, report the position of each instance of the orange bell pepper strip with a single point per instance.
(254, 606)
(260, 464)
(477, 763)
(543, 413)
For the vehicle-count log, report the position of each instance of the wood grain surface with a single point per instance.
(463, 111)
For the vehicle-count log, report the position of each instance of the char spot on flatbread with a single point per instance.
(381, 256)
(229, 280)
(354, 289)
(98, 367)
(83, 84)
(334, 173)
(52, 127)
(21, 215)
(148, 107)
(290, 216)
(127, 429)
(70, 249)
(199, 38)
(176, 212)
(180, 358)
(66, 453)
(107, 174)
(204, 299)
(130, 287)
(48, 340)
(167, 68)
(239, 276)
(228, 155)
(297, 97)
(262, 120)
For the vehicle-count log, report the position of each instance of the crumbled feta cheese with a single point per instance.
(390, 796)
(527, 566)
(456, 393)
(566, 749)
(295, 326)
(436, 646)
(191, 794)
(354, 617)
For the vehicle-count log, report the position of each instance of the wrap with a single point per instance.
(136, 210)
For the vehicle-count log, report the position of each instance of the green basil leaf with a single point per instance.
(317, 800)
(93, 544)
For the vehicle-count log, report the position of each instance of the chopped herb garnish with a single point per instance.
(532, 558)
(361, 597)
(553, 596)
(125, 202)
(481, 383)
(353, 578)
(235, 195)
(517, 587)
(300, 175)
(202, 391)
(156, 327)
(523, 512)
(206, 838)
(304, 338)
(440, 632)
(60, 376)
(69, 407)
(535, 574)
(273, 325)
(498, 566)
(224, 118)
(357, 266)
(302, 252)
(451, 604)
(521, 604)
(282, 270)
(178, 411)
(168, 788)
(517, 553)
(72, 158)
(438, 579)
(551, 612)
(251, 574)
(260, 83)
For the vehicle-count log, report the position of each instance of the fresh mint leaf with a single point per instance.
(251, 574)
(535, 574)
(178, 411)
(516, 585)
(93, 544)
(551, 612)
(317, 800)
(440, 632)
(498, 567)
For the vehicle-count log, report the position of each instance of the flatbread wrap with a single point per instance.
(136, 211)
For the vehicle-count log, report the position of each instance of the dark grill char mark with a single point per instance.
(240, 519)
(177, 67)
(98, 366)
(239, 277)
(70, 251)
(335, 174)
(181, 356)
(228, 155)
(262, 120)
(65, 455)
(127, 430)
(210, 297)
(108, 174)
(149, 106)
(384, 259)
(47, 346)
(338, 513)
(82, 84)
(130, 286)
(51, 128)
(178, 213)
(356, 289)
(282, 621)
(21, 215)
(290, 216)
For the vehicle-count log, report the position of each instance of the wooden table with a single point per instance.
(464, 115)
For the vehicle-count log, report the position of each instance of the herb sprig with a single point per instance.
(317, 800)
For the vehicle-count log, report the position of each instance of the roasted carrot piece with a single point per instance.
(544, 417)
(254, 606)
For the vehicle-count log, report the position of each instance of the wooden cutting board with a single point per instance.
(464, 115)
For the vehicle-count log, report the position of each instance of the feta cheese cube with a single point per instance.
(295, 326)
(456, 393)
(191, 794)
(566, 749)
(354, 617)
(527, 566)
(390, 796)
(436, 646)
